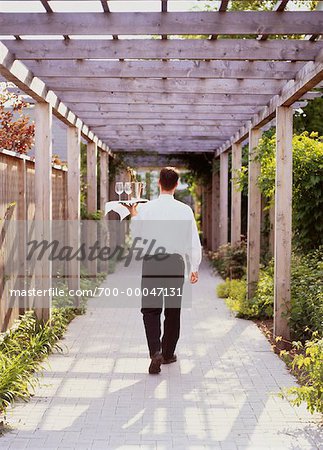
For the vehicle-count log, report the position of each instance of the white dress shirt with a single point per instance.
(171, 224)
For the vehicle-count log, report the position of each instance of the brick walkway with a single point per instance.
(98, 395)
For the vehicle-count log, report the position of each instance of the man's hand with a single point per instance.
(194, 277)
(132, 209)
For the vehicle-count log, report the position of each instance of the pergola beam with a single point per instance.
(222, 8)
(167, 98)
(16, 72)
(307, 78)
(156, 136)
(165, 150)
(145, 117)
(179, 85)
(209, 130)
(46, 6)
(280, 70)
(150, 23)
(164, 123)
(197, 49)
(164, 10)
(279, 7)
(166, 141)
(149, 108)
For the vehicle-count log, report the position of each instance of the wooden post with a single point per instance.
(283, 219)
(104, 231)
(235, 196)
(224, 188)
(22, 224)
(148, 185)
(254, 214)
(43, 205)
(91, 177)
(271, 242)
(73, 205)
(210, 215)
(90, 232)
(215, 208)
(104, 179)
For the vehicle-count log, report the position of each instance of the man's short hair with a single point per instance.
(168, 178)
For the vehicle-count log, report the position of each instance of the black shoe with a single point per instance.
(155, 364)
(170, 360)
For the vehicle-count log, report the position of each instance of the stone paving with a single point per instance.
(221, 394)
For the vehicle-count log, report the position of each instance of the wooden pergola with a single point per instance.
(128, 81)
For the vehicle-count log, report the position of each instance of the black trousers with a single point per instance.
(162, 286)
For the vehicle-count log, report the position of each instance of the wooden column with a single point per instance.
(148, 185)
(210, 215)
(104, 233)
(215, 208)
(90, 227)
(91, 177)
(203, 217)
(23, 227)
(104, 178)
(43, 204)
(271, 242)
(73, 204)
(254, 214)
(224, 188)
(283, 219)
(235, 195)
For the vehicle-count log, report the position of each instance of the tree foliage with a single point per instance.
(16, 130)
(310, 118)
(307, 185)
(255, 5)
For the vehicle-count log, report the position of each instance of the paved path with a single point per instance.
(98, 395)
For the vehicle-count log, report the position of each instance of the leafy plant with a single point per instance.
(307, 185)
(306, 315)
(230, 260)
(223, 289)
(309, 364)
(237, 299)
(27, 343)
(306, 312)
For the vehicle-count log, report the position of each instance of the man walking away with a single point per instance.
(169, 219)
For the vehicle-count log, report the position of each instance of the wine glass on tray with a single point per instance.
(119, 188)
(128, 188)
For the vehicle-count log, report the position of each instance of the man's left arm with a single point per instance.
(196, 251)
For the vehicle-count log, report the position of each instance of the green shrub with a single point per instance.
(237, 299)
(306, 315)
(309, 365)
(306, 312)
(263, 300)
(230, 260)
(22, 348)
(307, 185)
(25, 345)
(260, 306)
(223, 289)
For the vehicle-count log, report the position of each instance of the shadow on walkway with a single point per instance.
(218, 395)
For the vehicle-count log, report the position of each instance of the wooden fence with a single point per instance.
(17, 210)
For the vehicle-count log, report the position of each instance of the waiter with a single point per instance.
(171, 224)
